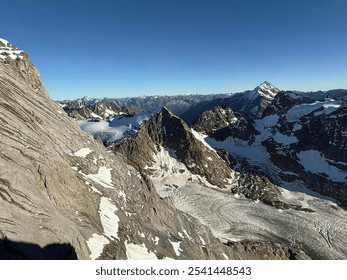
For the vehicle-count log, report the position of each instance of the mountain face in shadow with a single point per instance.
(12, 250)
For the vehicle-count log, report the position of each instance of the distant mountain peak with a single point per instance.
(266, 87)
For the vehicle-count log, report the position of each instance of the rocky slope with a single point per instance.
(64, 196)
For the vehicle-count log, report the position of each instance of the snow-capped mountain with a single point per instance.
(252, 102)
(298, 139)
(176, 103)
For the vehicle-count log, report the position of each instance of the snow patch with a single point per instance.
(225, 256)
(155, 240)
(83, 152)
(298, 111)
(202, 241)
(103, 177)
(139, 252)
(201, 137)
(96, 244)
(167, 170)
(284, 139)
(313, 161)
(109, 221)
(122, 195)
(176, 247)
(94, 189)
(9, 51)
(297, 127)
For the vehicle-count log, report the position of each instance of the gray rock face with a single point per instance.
(64, 196)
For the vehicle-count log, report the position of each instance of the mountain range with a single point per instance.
(259, 174)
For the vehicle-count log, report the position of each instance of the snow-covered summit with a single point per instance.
(9, 50)
(266, 88)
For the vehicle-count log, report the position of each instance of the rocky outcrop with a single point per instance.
(251, 182)
(214, 119)
(268, 251)
(19, 61)
(220, 123)
(167, 130)
(242, 128)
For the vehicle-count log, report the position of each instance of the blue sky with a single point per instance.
(119, 48)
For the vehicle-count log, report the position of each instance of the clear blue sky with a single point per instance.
(120, 48)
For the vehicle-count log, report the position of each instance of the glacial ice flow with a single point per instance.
(321, 234)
